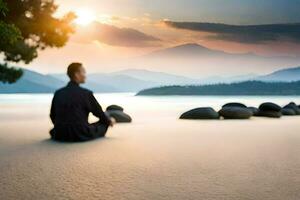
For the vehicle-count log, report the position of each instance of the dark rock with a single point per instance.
(272, 114)
(234, 104)
(114, 107)
(294, 107)
(200, 113)
(268, 106)
(254, 110)
(288, 111)
(235, 113)
(119, 116)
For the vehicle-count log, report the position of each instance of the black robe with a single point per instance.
(69, 113)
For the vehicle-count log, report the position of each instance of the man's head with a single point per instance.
(76, 73)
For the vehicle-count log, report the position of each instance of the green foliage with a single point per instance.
(9, 74)
(9, 34)
(39, 29)
(27, 26)
(3, 8)
(242, 88)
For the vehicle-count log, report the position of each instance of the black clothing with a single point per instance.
(70, 108)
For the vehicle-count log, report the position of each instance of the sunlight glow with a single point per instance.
(84, 17)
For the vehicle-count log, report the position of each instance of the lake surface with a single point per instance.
(26, 106)
(157, 156)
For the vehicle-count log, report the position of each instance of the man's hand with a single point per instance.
(112, 122)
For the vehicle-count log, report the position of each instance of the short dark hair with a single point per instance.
(73, 68)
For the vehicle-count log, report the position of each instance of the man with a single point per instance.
(70, 108)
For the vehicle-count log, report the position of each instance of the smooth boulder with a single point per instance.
(200, 113)
(235, 113)
(271, 114)
(254, 110)
(294, 107)
(288, 111)
(234, 104)
(119, 116)
(114, 107)
(268, 106)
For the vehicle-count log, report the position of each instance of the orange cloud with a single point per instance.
(115, 36)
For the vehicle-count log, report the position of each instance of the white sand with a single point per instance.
(156, 157)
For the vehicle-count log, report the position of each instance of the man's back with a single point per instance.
(70, 108)
(71, 105)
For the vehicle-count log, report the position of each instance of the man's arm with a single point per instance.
(52, 110)
(96, 109)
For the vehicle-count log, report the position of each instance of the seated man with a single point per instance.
(70, 108)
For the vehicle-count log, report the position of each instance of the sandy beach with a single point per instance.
(156, 157)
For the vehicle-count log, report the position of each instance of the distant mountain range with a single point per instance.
(196, 59)
(132, 80)
(284, 75)
(32, 82)
(190, 50)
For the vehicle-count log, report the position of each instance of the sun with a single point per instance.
(84, 17)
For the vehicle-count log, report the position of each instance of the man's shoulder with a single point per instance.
(78, 89)
(83, 89)
(59, 90)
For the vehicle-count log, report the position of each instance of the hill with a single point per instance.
(112, 82)
(284, 75)
(133, 80)
(32, 82)
(160, 78)
(242, 88)
(189, 49)
(192, 58)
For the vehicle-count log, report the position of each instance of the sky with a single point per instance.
(108, 33)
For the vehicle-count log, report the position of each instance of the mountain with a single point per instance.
(159, 78)
(284, 75)
(189, 49)
(242, 88)
(199, 61)
(32, 82)
(133, 80)
(100, 82)
(92, 84)
(196, 50)
(122, 82)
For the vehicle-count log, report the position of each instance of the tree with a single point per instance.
(27, 26)
(9, 35)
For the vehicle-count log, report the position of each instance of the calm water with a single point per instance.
(37, 105)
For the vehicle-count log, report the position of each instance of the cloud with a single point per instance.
(115, 36)
(250, 34)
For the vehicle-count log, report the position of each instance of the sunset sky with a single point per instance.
(116, 30)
